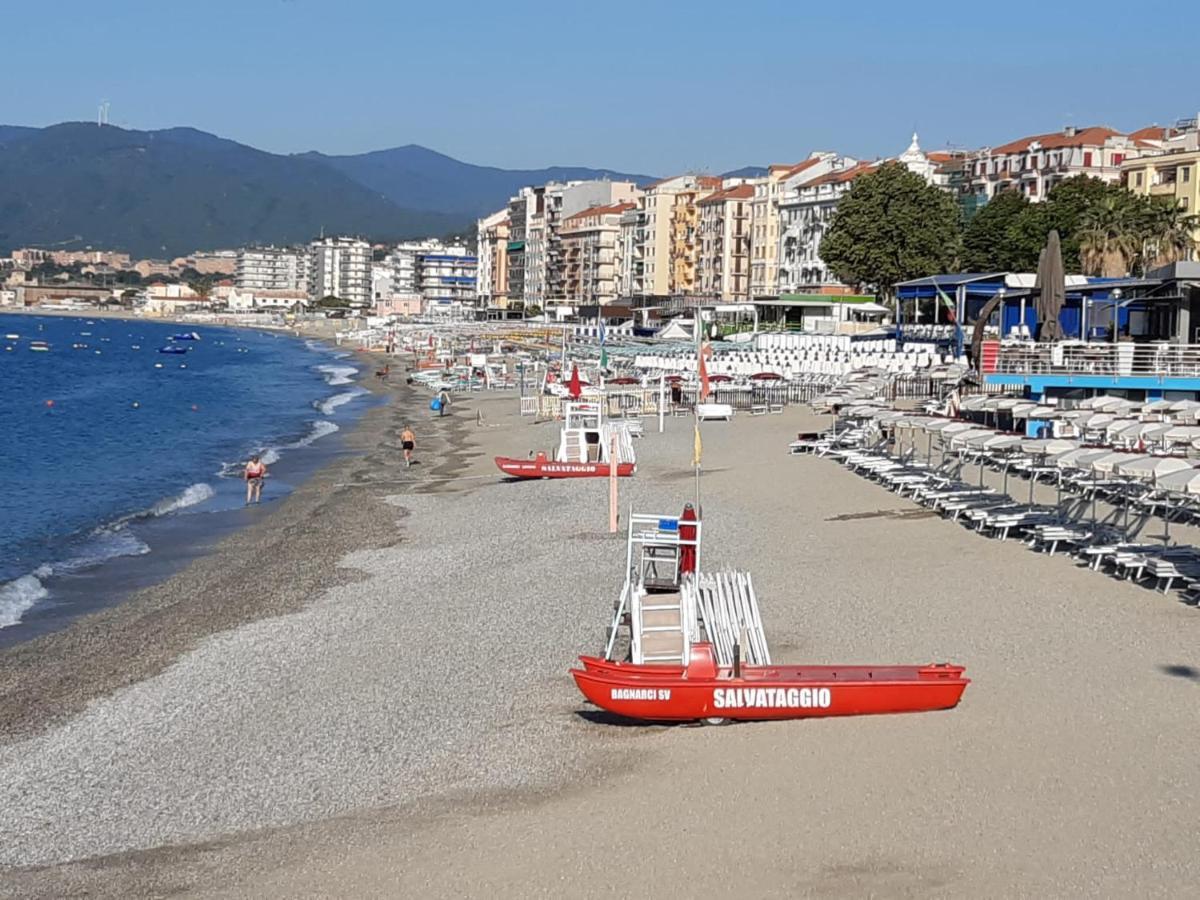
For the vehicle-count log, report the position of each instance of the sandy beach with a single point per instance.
(365, 694)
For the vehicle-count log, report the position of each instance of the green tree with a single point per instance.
(1110, 236)
(1168, 232)
(998, 238)
(891, 226)
(329, 301)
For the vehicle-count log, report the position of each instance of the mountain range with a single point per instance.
(169, 192)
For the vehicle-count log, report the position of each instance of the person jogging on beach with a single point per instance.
(256, 471)
(408, 442)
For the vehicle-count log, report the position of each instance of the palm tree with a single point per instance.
(1169, 233)
(1110, 238)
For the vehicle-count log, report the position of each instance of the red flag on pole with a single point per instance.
(574, 388)
(704, 351)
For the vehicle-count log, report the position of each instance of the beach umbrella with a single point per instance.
(720, 379)
(1051, 287)
(1184, 405)
(623, 379)
(766, 376)
(574, 386)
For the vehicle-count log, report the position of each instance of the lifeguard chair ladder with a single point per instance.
(662, 625)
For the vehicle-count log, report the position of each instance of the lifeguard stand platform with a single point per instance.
(666, 604)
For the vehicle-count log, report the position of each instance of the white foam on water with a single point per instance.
(336, 376)
(269, 456)
(326, 407)
(104, 544)
(197, 493)
(19, 595)
(320, 429)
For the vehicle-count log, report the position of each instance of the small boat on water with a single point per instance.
(585, 448)
(186, 336)
(171, 348)
(39, 346)
(702, 690)
(12, 337)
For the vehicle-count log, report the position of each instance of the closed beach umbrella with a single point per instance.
(1051, 288)
(574, 386)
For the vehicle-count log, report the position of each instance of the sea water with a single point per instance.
(101, 434)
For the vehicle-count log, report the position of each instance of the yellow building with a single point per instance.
(1175, 174)
(685, 240)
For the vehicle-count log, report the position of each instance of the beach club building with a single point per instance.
(1133, 337)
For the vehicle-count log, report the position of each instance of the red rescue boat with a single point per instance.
(542, 466)
(703, 691)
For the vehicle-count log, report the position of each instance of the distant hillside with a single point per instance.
(167, 193)
(420, 178)
(746, 172)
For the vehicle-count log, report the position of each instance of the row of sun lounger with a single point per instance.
(990, 512)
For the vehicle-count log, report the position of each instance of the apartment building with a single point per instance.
(446, 280)
(271, 269)
(806, 205)
(765, 224)
(591, 245)
(1033, 165)
(684, 253)
(492, 272)
(652, 271)
(723, 266)
(518, 226)
(630, 261)
(1175, 175)
(340, 267)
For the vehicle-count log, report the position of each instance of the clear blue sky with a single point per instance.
(652, 87)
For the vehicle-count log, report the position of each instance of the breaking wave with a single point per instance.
(104, 544)
(18, 596)
(197, 493)
(320, 429)
(336, 376)
(326, 407)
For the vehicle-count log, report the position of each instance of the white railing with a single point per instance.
(1157, 360)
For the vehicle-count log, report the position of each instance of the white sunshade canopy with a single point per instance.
(975, 402)
(1108, 463)
(980, 439)
(1096, 421)
(940, 424)
(961, 438)
(1150, 468)
(1079, 459)
(1182, 433)
(1184, 405)
(955, 428)
(1004, 442)
(1186, 481)
(1047, 446)
(1126, 427)
(1008, 402)
(1157, 406)
(1154, 431)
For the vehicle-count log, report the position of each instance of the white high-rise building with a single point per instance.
(272, 269)
(341, 267)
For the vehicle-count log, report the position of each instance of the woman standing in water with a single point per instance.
(256, 471)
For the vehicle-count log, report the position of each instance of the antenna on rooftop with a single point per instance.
(102, 113)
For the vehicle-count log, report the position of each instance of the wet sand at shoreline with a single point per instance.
(412, 731)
